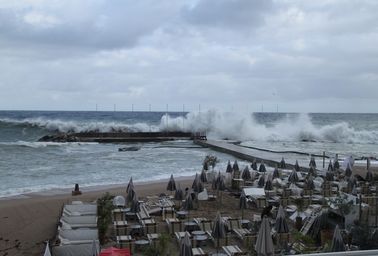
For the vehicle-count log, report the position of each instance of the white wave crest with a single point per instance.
(57, 125)
(244, 127)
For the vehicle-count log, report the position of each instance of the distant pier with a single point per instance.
(118, 137)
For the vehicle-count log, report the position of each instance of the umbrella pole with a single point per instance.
(242, 213)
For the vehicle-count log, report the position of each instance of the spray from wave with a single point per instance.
(297, 127)
(236, 126)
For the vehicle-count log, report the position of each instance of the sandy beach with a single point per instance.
(26, 223)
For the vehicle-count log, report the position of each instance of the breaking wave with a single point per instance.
(289, 127)
(298, 127)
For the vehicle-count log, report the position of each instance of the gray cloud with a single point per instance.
(301, 55)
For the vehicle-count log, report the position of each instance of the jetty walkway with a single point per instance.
(250, 154)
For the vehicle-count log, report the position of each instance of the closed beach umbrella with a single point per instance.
(329, 176)
(348, 170)
(312, 171)
(262, 167)
(330, 166)
(320, 223)
(130, 185)
(282, 164)
(179, 194)
(219, 230)
(197, 185)
(235, 166)
(281, 225)
(264, 243)
(188, 203)
(135, 207)
(268, 185)
(130, 195)
(369, 176)
(261, 181)
(229, 167)
(203, 176)
(296, 166)
(47, 250)
(276, 173)
(186, 246)
(242, 203)
(293, 177)
(171, 186)
(368, 163)
(246, 175)
(337, 244)
(354, 190)
(352, 182)
(312, 162)
(310, 183)
(254, 165)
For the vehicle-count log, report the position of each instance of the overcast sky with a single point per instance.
(299, 56)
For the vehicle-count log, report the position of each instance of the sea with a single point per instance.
(28, 166)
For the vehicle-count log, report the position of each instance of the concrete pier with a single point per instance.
(249, 154)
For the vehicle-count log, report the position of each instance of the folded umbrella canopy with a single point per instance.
(337, 244)
(229, 167)
(264, 242)
(281, 225)
(254, 165)
(296, 166)
(186, 246)
(171, 186)
(246, 175)
(282, 164)
(235, 166)
(262, 167)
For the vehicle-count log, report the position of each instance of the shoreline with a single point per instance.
(91, 188)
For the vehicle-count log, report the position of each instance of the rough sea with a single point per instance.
(28, 166)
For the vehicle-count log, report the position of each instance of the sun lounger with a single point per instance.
(174, 225)
(125, 242)
(180, 235)
(233, 250)
(153, 238)
(79, 209)
(120, 227)
(198, 252)
(119, 213)
(73, 222)
(78, 249)
(149, 226)
(233, 224)
(143, 214)
(77, 236)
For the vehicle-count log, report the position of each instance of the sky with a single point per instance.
(238, 55)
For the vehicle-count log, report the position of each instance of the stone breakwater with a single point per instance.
(112, 137)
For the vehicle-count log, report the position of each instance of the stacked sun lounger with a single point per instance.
(77, 231)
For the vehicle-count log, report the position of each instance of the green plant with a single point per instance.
(104, 213)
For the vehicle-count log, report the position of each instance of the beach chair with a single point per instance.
(233, 224)
(198, 252)
(153, 238)
(120, 227)
(125, 242)
(174, 225)
(180, 235)
(143, 213)
(149, 226)
(233, 250)
(119, 214)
